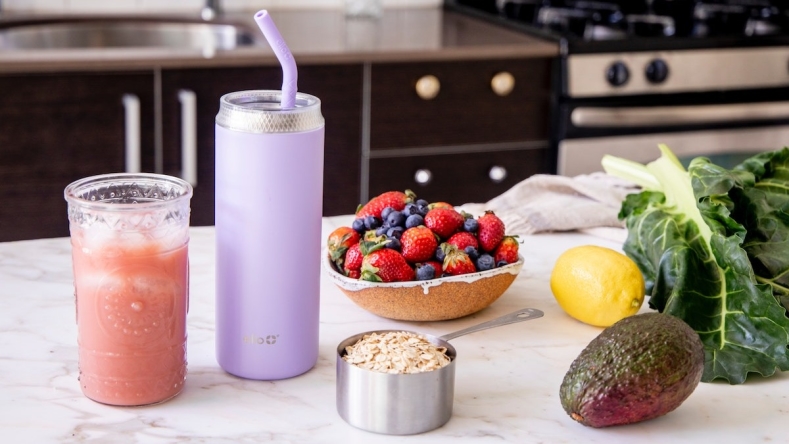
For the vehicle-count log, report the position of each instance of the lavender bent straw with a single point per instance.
(281, 50)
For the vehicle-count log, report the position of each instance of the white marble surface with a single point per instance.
(507, 379)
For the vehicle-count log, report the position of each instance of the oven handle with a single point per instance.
(659, 116)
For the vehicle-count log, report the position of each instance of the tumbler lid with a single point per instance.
(260, 111)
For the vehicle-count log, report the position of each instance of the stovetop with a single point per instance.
(625, 25)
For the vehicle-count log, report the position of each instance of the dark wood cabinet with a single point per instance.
(56, 128)
(339, 88)
(207, 85)
(459, 131)
(465, 110)
(468, 143)
(458, 178)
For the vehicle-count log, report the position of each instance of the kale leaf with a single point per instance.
(684, 236)
(763, 208)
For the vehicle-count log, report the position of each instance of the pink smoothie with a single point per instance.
(131, 313)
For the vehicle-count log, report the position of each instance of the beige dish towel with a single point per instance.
(557, 203)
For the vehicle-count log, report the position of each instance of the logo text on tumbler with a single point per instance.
(261, 340)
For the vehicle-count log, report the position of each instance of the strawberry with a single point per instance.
(456, 261)
(418, 244)
(354, 274)
(394, 199)
(443, 221)
(386, 265)
(353, 260)
(463, 239)
(490, 231)
(440, 205)
(338, 243)
(507, 251)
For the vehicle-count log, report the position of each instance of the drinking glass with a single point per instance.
(129, 238)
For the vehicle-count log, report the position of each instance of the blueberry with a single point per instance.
(425, 272)
(485, 262)
(440, 254)
(422, 203)
(372, 222)
(501, 263)
(380, 231)
(422, 210)
(414, 220)
(471, 225)
(395, 232)
(395, 219)
(410, 208)
(472, 252)
(393, 243)
(358, 225)
(385, 212)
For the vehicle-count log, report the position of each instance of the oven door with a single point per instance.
(718, 133)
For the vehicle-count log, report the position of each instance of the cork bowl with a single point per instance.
(434, 300)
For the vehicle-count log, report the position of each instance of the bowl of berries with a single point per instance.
(408, 259)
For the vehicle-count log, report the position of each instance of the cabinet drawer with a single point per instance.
(57, 128)
(458, 178)
(466, 110)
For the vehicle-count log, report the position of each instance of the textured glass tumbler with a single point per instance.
(129, 239)
(269, 200)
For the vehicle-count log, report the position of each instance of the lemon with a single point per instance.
(597, 285)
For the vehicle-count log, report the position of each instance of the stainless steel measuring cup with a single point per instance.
(405, 404)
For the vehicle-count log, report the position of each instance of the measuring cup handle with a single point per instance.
(525, 314)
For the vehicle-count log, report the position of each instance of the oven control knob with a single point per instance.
(656, 71)
(617, 74)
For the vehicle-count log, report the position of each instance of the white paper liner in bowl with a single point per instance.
(351, 284)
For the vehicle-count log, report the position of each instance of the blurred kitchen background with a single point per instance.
(458, 100)
(150, 6)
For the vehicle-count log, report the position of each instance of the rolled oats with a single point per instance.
(396, 352)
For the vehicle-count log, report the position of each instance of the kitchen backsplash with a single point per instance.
(136, 6)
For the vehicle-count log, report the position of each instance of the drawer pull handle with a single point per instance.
(497, 174)
(427, 87)
(131, 110)
(188, 101)
(423, 176)
(502, 83)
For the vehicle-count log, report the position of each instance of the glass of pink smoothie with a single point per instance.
(129, 238)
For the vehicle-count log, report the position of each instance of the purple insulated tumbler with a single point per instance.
(269, 195)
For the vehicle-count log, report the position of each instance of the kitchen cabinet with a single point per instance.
(338, 87)
(458, 131)
(458, 178)
(56, 128)
(484, 129)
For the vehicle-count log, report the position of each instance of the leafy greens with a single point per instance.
(713, 246)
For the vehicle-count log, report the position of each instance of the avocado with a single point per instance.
(642, 367)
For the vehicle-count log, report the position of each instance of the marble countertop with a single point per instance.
(314, 37)
(506, 388)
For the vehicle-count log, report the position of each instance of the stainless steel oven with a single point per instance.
(725, 147)
(707, 78)
(726, 104)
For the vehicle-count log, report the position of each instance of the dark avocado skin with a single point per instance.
(642, 367)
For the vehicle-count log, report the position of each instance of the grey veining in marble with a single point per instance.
(507, 379)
